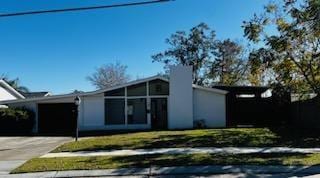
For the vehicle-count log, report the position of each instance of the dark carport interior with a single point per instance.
(57, 118)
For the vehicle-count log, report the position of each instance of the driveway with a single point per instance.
(14, 151)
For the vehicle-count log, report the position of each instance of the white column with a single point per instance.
(180, 98)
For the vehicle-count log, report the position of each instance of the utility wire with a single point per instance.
(82, 8)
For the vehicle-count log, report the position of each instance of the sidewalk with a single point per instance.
(211, 150)
(190, 170)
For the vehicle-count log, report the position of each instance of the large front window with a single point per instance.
(158, 87)
(137, 111)
(128, 105)
(137, 90)
(114, 111)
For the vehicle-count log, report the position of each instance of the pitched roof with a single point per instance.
(11, 90)
(35, 94)
(219, 91)
(86, 93)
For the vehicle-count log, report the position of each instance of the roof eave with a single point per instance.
(84, 93)
(11, 89)
(219, 91)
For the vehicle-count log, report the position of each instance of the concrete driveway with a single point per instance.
(14, 151)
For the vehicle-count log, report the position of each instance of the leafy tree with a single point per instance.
(191, 49)
(259, 71)
(109, 75)
(14, 83)
(293, 52)
(228, 66)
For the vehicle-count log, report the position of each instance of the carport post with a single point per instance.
(77, 102)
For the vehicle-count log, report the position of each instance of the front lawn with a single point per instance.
(238, 137)
(108, 162)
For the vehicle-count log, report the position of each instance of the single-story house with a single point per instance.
(150, 103)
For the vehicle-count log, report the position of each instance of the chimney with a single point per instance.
(180, 98)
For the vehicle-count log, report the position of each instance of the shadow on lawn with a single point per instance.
(297, 137)
(231, 137)
(203, 138)
(214, 139)
(231, 161)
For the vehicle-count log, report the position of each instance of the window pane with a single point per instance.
(117, 92)
(137, 90)
(158, 87)
(114, 111)
(137, 111)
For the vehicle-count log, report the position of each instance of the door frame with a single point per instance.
(167, 111)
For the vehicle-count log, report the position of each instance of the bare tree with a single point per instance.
(109, 75)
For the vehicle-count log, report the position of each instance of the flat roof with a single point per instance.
(243, 89)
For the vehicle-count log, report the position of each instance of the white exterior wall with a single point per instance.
(180, 98)
(92, 112)
(210, 107)
(5, 95)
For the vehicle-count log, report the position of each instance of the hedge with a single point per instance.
(16, 120)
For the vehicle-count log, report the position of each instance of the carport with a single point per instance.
(56, 118)
(54, 115)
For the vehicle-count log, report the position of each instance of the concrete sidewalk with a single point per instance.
(286, 171)
(212, 150)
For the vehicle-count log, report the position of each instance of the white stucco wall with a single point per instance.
(180, 98)
(92, 112)
(210, 107)
(5, 95)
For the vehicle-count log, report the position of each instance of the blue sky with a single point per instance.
(55, 52)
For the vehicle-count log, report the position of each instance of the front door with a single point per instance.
(159, 114)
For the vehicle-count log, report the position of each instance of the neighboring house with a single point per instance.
(8, 93)
(35, 94)
(150, 103)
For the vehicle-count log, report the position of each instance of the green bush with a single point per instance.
(16, 120)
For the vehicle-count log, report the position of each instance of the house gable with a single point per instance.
(8, 93)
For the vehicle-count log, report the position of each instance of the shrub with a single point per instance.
(199, 124)
(16, 120)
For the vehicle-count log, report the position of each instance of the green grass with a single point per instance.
(108, 162)
(188, 138)
(238, 137)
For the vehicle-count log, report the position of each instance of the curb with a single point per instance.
(183, 170)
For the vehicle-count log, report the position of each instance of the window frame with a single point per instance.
(126, 97)
(106, 111)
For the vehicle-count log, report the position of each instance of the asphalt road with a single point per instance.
(14, 151)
